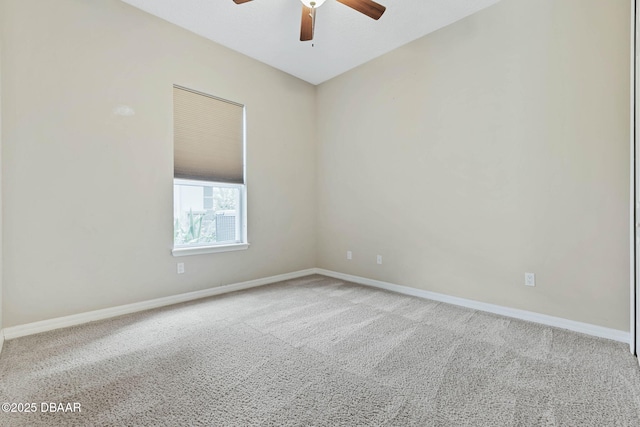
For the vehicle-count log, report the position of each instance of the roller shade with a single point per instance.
(208, 137)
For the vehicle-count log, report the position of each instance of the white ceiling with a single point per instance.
(269, 30)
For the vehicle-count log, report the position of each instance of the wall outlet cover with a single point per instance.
(529, 279)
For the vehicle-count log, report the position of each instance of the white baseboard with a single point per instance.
(558, 322)
(77, 319)
(91, 316)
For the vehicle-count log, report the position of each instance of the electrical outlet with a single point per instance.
(379, 259)
(349, 255)
(529, 279)
(180, 267)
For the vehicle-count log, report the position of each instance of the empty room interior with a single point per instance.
(393, 213)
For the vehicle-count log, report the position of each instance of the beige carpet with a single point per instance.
(320, 352)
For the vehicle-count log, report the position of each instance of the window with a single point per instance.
(206, 213)
(209, 195)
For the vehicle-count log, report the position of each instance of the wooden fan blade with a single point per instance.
(307, 23)
(240, 1)
(368, 7)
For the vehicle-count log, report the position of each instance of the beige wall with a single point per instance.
(88, 195)
(496, 146)
(1, 183)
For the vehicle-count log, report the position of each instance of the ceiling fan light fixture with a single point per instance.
(314, 4)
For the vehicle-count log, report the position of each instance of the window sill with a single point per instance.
(199, 250)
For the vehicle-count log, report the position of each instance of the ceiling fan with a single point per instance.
(367, 7)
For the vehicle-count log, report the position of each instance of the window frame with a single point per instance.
(197, 249)
(186, 250)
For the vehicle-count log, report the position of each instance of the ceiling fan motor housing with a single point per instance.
(368, 7)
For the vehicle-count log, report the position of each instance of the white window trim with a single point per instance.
(178, 251)
(199, 250)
